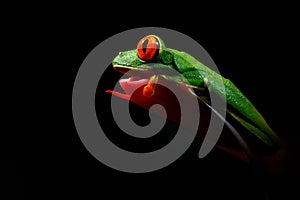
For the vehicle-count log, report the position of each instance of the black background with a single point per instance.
(254, 45)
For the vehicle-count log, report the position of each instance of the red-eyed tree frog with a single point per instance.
(152, 57)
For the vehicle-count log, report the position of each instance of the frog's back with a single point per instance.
(186, 62)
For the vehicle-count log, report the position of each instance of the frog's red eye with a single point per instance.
(148, 47)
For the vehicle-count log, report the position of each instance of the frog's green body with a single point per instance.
(198, 76)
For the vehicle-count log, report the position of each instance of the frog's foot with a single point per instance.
(129, 85)
(149, 89)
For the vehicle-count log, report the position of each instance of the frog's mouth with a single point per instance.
(132, 70)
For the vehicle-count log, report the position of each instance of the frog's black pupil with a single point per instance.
(144, 45)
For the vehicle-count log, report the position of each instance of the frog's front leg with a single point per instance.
(149, 89)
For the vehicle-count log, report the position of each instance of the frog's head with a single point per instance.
(145, 87)
(149, 56)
